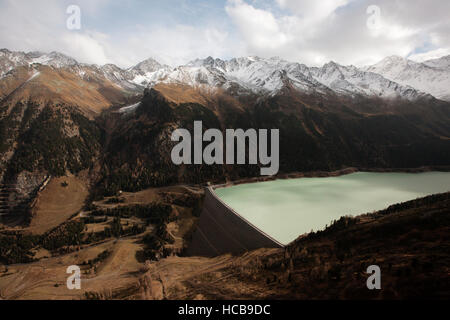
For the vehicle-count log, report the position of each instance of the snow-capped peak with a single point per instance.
(10, 59)
(393, 77)
(269, 76)
(146, 66)
(54, 59)
(147, 72)
(431, 76)
(389, 65)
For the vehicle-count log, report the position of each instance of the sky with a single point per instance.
(174, 32)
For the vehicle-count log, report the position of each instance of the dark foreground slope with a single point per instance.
(410, 242)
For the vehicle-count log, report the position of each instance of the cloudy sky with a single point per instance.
(313, 32)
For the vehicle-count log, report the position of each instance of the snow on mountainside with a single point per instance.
(134, 78)
(443, 62)
(392, 78)
(271, 75)
(350, 80)
(54, 59)
(10, 60)
(119, 77)
(250, 73)
(432, 76)
(147, 72)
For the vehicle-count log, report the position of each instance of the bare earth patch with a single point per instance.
(46, 279)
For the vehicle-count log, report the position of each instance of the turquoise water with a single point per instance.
(285, 209)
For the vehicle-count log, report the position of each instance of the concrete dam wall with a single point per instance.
(221, 230)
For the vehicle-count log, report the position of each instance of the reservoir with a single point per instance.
(288, 208)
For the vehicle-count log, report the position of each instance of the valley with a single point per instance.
(87, 178)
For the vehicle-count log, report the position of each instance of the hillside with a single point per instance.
(316, 133)
(412, 253)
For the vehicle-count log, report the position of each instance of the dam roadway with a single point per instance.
(221, 230)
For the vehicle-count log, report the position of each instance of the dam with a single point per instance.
(271, 214)
(221, 230)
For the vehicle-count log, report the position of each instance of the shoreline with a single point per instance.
(325, 174)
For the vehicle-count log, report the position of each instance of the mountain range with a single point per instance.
(393, 77)
(59, 117)
(85, 160)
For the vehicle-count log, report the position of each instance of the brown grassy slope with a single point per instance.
(116, 276)
(90, 93)
(46, 279)
(57, 203)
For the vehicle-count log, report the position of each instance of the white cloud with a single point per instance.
(178, 44)
(314, 32)
(41, 26)
(312, 11)
(259, 27)
(85, 47)
(309, 31)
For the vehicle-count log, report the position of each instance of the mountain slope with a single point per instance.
(132, 79)
(351, 81)
(10, 60)
(443, 62)
(47, 85)
(316, 133)
(147, 72)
